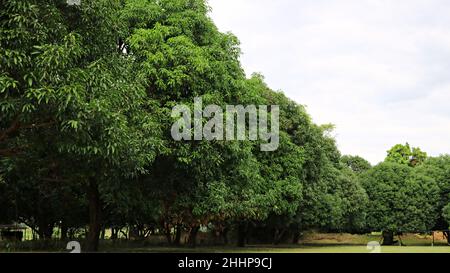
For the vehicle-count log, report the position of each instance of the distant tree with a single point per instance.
(405, 154)
(401, 199)
(439, 169)
(354, 201)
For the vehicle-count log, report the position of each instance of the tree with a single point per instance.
(439, 169)
(6, 202)
(355, 163)
(65, 82)
(349, 203)
(86, 98)
(181, 55)
(401, 199)
(405, 154)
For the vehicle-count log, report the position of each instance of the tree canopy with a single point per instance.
(86, 94)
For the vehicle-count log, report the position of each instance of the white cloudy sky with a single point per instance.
(378, 69)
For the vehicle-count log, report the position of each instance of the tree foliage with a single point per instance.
(356, 163)
(86, 94)
(405, 154)
(401, 199)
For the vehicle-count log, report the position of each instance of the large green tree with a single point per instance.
(439, 169)
(66, 86)
(86, 98)
(401, 199)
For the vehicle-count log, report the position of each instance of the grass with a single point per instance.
(310, 243)
(289, 249)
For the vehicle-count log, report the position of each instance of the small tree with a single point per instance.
(405, 154)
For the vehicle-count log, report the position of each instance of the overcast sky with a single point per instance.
(377, 69)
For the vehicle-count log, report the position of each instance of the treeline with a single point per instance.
(85, 118)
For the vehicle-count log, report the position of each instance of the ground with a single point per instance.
(316, 243)
(310, 243)
(291, 249)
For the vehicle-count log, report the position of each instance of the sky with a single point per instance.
(377, 69)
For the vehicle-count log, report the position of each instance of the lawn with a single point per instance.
(299, 249)
(310, 243)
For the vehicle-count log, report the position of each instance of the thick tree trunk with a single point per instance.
(64, 230)
(45, 231)
(94, 217)
(296, 237)
(103, 233)
(278, 236)
(114, 234)
(225, 236)
(168, 233)
(177, 240)
(242, 234)
(388, 238)
(447, 235)
(192, 241)
(134, 233)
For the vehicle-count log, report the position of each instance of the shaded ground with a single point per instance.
(310, 243)
(290, 249)
(314, 243)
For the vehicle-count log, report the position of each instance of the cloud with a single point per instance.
(378, 69)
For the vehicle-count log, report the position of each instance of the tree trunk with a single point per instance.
(388, 238)
(168, 233)
(45, 231)
(94, 217)
(134, 233)
(102, 234)
(64, 230)
(242, 234)
(192, 241)
(278, 236)
(114, 234)
(71, 233)
(225, 236)
(296, 237)
(447, 236)
(177, 240)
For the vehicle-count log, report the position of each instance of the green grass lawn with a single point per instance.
(262, 249)
(290, 249)
(310, 243)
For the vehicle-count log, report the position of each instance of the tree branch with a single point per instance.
(10, 152)
(35, 126)
(15, 125)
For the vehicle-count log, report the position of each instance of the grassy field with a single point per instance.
(310, 243)
(336, 249)
(313, 243)
(291, 249)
